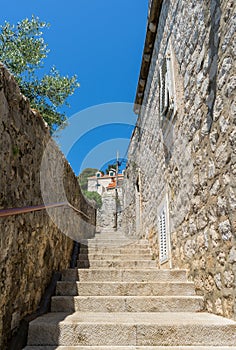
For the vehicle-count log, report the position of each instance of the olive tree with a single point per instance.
(22, 51)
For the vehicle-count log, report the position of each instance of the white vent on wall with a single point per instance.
(163, 236)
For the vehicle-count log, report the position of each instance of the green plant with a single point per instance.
(22, 50)
(15, 150)
(110, 167)
(83, 177)
(95, 196)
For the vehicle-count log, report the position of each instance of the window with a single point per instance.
(167, 88)
(111, 173)
(98, 174)
(167, 101)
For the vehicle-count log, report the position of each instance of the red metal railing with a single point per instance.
(24, 210)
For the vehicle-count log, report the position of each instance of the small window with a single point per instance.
(111, 173)
(98, 174)
(167, 88)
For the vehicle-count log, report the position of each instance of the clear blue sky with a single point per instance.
(101, 41)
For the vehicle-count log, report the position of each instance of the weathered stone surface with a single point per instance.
(31, 245)
(125, 288)
(194, 164)
(106, 215)
(107, 306)
(122, 328)
(127, 304)
(128, 348)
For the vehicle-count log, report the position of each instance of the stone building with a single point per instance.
(181, 174)
(111, 190)
(102, 183)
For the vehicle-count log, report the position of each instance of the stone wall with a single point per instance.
(106, 215)
(31, 245)
(191, 158)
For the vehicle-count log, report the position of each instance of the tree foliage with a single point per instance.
(94, 196)
(83, 181)
(22, 50)
(83, 177)
(110, 167)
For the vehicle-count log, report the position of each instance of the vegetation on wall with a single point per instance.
(22, 51)
(83, 177)
(94, 196)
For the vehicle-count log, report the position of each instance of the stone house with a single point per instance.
(180, 182)
(110, 188)
(102, 183)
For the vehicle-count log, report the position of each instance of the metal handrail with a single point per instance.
(24, 210)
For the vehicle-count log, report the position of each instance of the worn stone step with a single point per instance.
(130, 348)
(99, 256)
(124, 275)
(131, 240)
(114, 242)
(111, 246)
(100, 246)
(114, 238)
(132, 329)
(129, 264)
(127, 304)
(114, 250)
(124, 288)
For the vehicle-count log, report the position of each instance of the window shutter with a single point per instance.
(163, 237)
(163, 87)
(166, 87)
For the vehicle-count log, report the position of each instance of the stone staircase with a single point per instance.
(118, 299)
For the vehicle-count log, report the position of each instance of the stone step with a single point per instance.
(124, 275)
(130, 348)
(114, 242)
(110, 237)
(113, 238)
(107, 241)
(125, 288)
(99, 256)
(127, 304)
(114, 250)
(132, 329)
(129, 264)
(111, 246)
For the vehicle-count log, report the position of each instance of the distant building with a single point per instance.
(109, 216)
(102, 183)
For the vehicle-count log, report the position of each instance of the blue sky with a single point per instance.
(102, 42)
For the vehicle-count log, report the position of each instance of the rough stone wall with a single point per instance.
(31, 245)
(106, 214)
(199, 176)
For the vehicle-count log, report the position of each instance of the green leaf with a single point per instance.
(23, 50)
